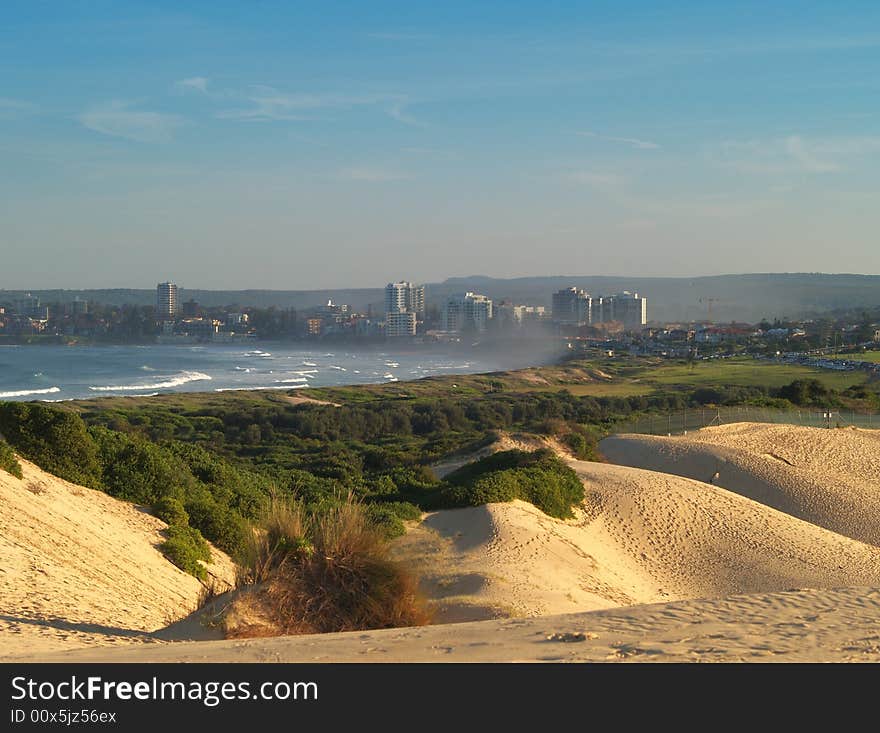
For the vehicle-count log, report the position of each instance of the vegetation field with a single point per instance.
(208, 463)
(743, 373)
(872, 356)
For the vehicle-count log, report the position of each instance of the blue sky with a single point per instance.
(297, 145)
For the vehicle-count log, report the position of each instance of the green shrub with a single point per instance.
(171, 511)
(8, 460)
(54, 439)
(581, 443)
(137, 470)
(540, 478)
(389, 516)
(185, 547)
(220, 524)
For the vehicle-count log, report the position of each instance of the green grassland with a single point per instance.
(871, 356)
(607, 377)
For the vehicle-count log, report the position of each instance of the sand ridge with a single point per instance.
(82, 567)
(641, 537)
(829, 477)
(838, 625)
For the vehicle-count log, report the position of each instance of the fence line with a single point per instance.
(680, 421)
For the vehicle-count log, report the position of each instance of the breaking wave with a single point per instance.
(28, 392)
(176, 381)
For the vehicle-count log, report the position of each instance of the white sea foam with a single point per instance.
(175, 381)
(309, 363)
(254, 389)
(338, 368)
(146, 368)
(392, 364)
(246, 370)
(28, 392)
(290, 381)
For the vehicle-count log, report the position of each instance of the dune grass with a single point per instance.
(8, 460)
(317, 573)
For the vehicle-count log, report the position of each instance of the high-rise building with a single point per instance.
(166, 301)
(573, 306)
(400, 324)
(404, 297)
(467, 311)
(404, 308)
(29, 307)
(509, 315)
(628, 308)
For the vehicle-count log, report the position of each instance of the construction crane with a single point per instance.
(709, 302)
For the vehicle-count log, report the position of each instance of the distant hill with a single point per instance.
(735, 297)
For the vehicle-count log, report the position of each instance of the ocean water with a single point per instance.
(54, 373)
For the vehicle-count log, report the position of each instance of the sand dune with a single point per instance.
(736, 578)
(642, 537)
(80, 567)
(792, 626)
(830, 478)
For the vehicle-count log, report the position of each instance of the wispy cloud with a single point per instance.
(192, 84)
(120, 119)
(394, 36)
(372, 175)
(10, 108)
(631, 141)
(795, 154)
(267, 104)
(398, 111)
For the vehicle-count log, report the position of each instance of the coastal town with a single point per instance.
(409, 317)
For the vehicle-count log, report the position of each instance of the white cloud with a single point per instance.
(267, 104)
(631, 141)
(118, 119)
(192, 84)
(794, 154)
(372, 175)
(10, 108)
(397, 110)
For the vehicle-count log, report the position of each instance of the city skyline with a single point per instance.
(273, 146)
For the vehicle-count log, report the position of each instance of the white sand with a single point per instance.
(794, 626)
(737, 579)
(80, 567)
(829, 477)
(643, 537)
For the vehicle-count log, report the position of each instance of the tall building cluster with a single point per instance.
(404, 308)
(575, 307)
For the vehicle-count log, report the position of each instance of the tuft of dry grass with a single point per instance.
(315, 574)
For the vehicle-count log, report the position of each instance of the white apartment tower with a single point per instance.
(628, 308)
(404, 308)
(572, 306)
(467, 311)
(405, 297)
(166, 301)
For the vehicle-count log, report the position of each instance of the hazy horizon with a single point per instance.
(378, 286)
(287, 146)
